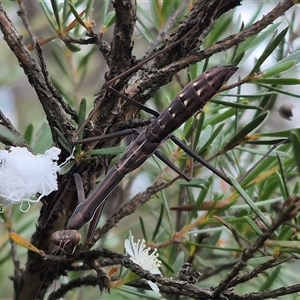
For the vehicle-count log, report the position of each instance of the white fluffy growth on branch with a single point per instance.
(24, 175)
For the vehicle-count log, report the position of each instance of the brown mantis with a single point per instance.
(190, 100)
(210, 82)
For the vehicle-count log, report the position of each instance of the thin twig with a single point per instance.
(13, 136)
(167, 27)
(55, 113)
(131, 206)
(250, 251)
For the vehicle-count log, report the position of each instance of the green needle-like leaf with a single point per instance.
(142, 224)
(295, 141)
(109, 19)
(278, 68)
(282, 181)
(73, 48)
(239, 105)
(76, 15)
(241, 136)
(29, 133)
(269, 50)
(158, 223)
(249, 201)
(62, 140)
(277, 81)
(14, 138)
(252, 224)
(56, 13)
(270, 280)
(81, 116)
(106, 151)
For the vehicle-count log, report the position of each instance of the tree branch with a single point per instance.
(56, 115)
